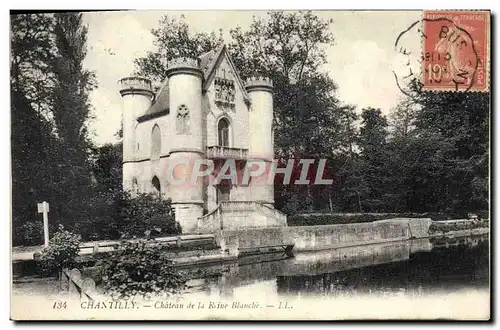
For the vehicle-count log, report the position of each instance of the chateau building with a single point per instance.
(203, 110)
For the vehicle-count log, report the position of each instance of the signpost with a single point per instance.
(44, 208)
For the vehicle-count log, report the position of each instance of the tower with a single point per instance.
(261, 144)
(136, 95)
(185, 87)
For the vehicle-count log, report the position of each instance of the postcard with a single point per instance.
(250, 165)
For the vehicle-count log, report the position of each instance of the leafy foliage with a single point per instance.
(33, 232)
(61, 252)
(140, 269)
(346, 218)
(442, 227)
(172, 39)
(431, 155)
(50, 112)
(143, 214)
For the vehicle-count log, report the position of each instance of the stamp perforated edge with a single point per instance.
(486, 89)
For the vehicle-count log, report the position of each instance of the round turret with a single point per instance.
(136, 85)
(261, 145)
(183, 65)
(259, 84)
(137, 96)
(185, 102)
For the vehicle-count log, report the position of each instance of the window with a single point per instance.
(155, 142)
(223, 193)
(182, 122)
(223, 129)
(135, 186)
(156, 185)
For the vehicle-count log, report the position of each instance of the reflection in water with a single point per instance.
(418, 266)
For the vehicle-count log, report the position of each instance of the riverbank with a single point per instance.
(228, 245)
(326, 237)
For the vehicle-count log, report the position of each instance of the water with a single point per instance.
(418, 279)
(416, 267)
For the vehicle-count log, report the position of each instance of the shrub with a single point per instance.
(140, 269)
(61, 253)
(32, 232)
(346, 218)
(334, 219)
(145, 212)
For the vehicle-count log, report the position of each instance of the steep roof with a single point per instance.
(208, 64)
(160, 105)
(210, 61)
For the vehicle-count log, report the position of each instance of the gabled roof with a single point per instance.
(208, 64)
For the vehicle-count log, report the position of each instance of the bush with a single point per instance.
(335, 219)
(61, 253)
(32, 232)
(140, 269)
(346, 218)
(443, 227)
(116, 214)
(143, 213)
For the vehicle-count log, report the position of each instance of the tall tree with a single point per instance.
(173, 39)
(309, 120)
(71, 113)
(50, 112)
(462, 121)
(32, 141)
(290, 49)
(374, 156)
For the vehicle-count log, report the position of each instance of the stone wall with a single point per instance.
(311, 238)
(418, 227)
(239, 215)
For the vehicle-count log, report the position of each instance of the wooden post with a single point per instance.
(44, 208)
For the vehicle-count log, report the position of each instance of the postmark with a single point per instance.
(455, 53)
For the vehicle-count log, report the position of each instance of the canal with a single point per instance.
(415, 267)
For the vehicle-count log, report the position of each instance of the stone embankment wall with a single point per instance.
(313, 238)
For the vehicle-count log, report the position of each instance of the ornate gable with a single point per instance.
(225, 81)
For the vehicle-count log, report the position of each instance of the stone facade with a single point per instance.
(202, 110)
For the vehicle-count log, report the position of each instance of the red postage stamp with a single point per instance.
(456, 51)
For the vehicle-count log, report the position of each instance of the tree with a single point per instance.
(374, 156)
(32, 141)
(290, 49)
(172, 39)
(72, 183)
(107, 166)
(309, 120)
(50, 112)
(461, 120)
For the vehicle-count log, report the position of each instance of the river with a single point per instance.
(415, 267)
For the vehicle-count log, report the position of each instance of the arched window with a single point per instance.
(135, 186)
(155, 142)
(223, 132)
(155, 182)
(182, 122)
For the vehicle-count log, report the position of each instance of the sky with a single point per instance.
(361, 61)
